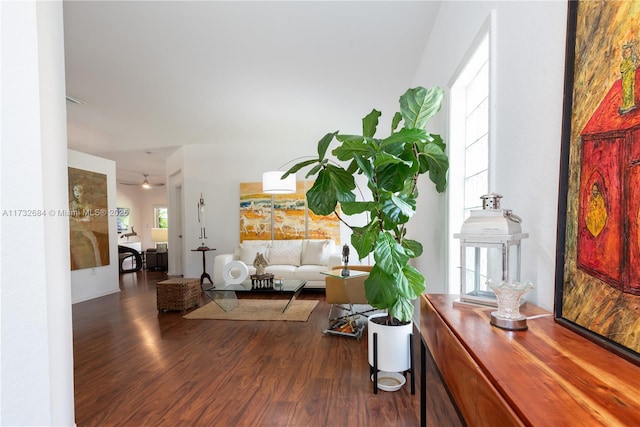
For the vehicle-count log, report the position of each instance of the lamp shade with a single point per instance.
(159, 235)
(273, 184)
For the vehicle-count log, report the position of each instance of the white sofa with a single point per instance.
(289, 259)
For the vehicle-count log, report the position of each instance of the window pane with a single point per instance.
(161, 217)
(474, 187)
(476, 158)
(477, 123)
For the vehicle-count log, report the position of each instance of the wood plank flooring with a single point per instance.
(137, 367)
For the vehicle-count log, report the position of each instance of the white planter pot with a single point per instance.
(394, 353)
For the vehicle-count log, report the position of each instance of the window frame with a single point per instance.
(455, 217)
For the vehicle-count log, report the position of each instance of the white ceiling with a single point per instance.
(156, 75)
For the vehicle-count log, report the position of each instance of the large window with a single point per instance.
(469, 145)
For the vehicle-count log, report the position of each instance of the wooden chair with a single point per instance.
(344, 293)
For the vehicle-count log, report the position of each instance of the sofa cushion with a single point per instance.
(310, 272)
(316, 252)
(284, 271)
(285, 252)
(248, 252)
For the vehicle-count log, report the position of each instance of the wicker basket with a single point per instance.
(178, 294)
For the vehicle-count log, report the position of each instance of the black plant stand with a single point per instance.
(373, 370)
(204, 274)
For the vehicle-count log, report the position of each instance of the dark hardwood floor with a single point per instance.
(137, 367)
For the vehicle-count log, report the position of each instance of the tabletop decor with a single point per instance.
(508, 314)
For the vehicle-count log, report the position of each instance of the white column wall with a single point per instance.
(36, 354)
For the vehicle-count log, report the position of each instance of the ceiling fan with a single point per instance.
(145, 184)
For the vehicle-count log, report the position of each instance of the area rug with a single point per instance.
(258, 309)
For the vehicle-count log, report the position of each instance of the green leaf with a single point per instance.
(321, 197)
(415, 282)
(353, 208)
(406, 135)
(433, 159)
(314, 170)
(295, 168)
(397, 117)
(389, 254)
(370, 123)
(364, 238)
(323, 144)
(412, 246)
(418, 105)
(402, 310)
(353, 146)
(380, 288)
(399, 209)
(391, 177)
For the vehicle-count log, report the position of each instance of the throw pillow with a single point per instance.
(248, 252)
(284, 255)
(315, 252)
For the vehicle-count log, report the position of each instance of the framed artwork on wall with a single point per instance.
(289, 222)
(598, 247)
(123, 219)
(255, 212)
(292, 219)
(88, 219)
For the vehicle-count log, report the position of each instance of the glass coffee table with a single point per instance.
(225, 295)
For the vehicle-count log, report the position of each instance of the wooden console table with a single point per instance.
(545, 376)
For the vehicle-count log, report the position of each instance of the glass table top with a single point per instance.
(338, 273)
(292, 285)
(225, 295)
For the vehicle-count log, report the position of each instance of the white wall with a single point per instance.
(530, 74)
(94, 282)
(36, 354)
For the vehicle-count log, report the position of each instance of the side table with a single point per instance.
(204, 274)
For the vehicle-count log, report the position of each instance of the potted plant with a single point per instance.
(392, 167)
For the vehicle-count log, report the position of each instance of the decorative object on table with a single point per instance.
(490, 242)
(202, 221)
(345, 260)
(508, 314)
(262, 281)
(260, 263)
(392, 167)
(597, 268)
(235, 272)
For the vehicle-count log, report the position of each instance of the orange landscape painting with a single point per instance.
(291, 217)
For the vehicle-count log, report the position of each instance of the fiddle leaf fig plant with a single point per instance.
(392, 167)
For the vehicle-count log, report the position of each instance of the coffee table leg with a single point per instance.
(226, 300)
(293, 297)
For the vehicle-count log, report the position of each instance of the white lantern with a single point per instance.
(489, 249)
